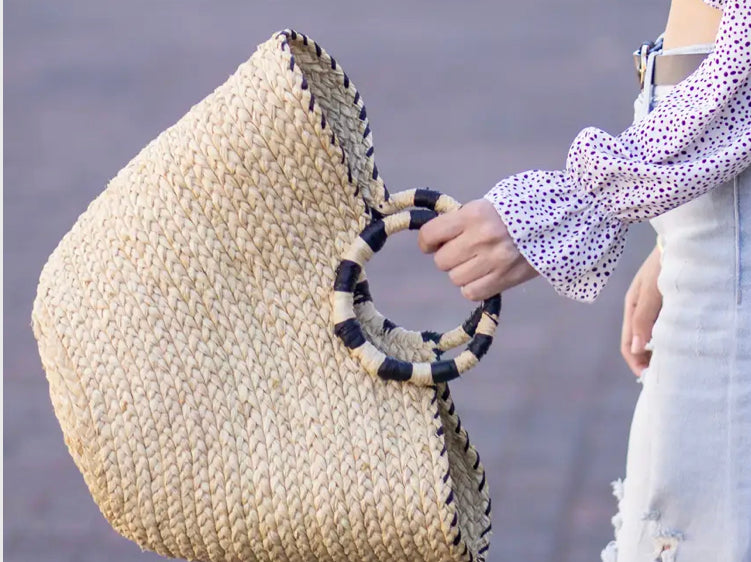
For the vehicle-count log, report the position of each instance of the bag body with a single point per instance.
(185, 326)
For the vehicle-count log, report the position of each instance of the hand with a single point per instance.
(642, 305)
(473, 245)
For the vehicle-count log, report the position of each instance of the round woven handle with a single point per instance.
(482, 323)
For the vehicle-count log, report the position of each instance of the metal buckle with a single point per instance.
(641, 69)
(643, 55)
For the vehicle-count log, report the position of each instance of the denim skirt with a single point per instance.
(686, 496)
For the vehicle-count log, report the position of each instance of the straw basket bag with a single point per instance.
(219, 371)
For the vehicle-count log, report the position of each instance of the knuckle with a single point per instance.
(472, 209)
(476, 213)
(489, 232)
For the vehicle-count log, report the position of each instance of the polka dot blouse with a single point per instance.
(571, 224)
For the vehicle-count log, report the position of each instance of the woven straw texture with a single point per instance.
(185, 326)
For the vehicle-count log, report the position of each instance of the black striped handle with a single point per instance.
(479, 328)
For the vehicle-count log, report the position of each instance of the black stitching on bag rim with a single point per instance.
(482, 483)
(422, 197)
(350, 328)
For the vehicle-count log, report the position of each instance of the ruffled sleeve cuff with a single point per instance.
(561, 230)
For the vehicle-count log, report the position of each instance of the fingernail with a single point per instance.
(636, 345)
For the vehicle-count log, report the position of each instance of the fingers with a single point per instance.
(634, 361)
(454, 254)
(475, 247)
(436, 232)
(494, 283)
(629, 304)
(637, 362)
(482, 288)
(644, 317)
(641, 308)
(472, 269)
(640, 335)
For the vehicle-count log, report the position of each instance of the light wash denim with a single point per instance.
(687, 492)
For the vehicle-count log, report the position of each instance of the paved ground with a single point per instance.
(460, 94)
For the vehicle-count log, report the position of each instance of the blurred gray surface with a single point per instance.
(460, 94)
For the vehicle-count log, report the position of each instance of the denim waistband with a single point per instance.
(689, 49)
(652, 93)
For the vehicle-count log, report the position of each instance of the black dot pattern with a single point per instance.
(571, 224)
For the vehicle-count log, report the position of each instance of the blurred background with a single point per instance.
(459, 95)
